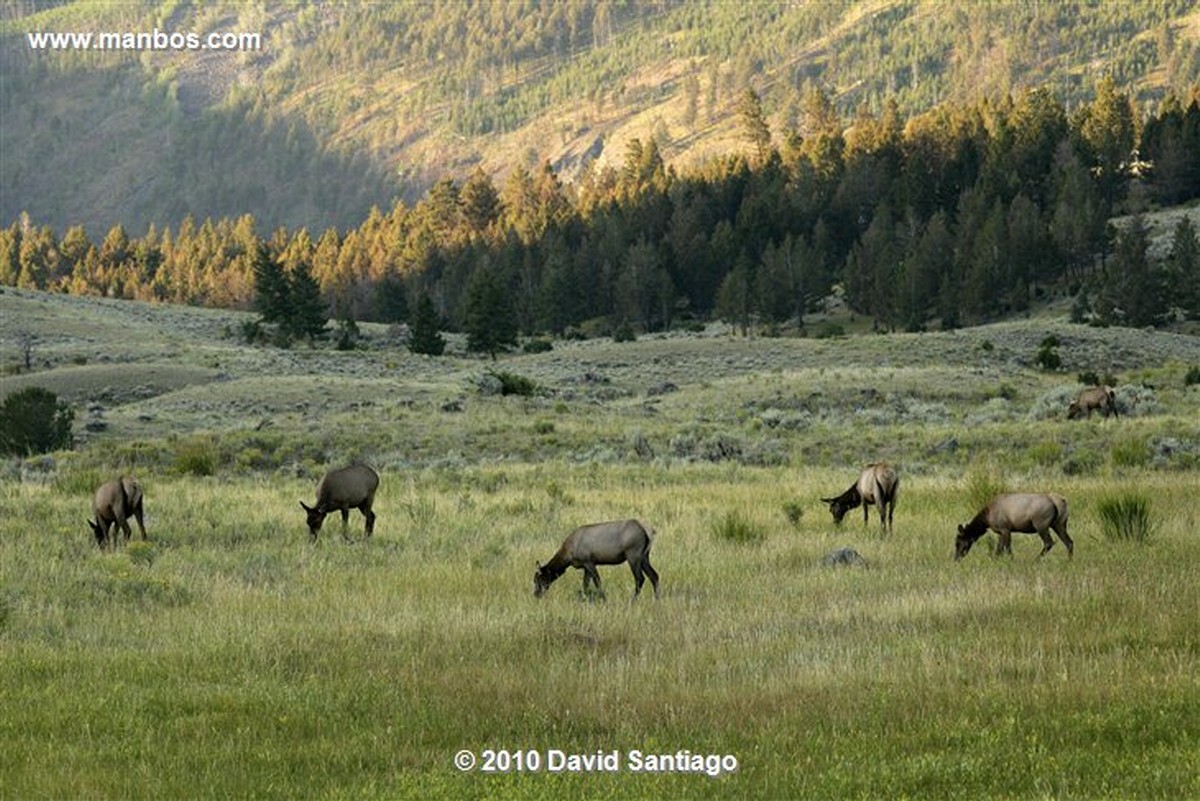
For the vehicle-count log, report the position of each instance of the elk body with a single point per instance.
(1027, 513)
(341, 490)
(113, 504)
(1101, 399)
(878, 484)
(608, 543)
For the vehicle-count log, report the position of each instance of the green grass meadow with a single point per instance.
(230, 657)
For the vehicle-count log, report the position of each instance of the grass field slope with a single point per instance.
(230, 656)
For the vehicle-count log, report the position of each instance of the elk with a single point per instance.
(1027, 513)
(878, 484)
(112, 505)
(608, 543)
(1101, 399)
(341, 490)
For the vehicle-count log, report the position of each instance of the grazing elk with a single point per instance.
(341, 490)
(878, 484)
(1027, 513)
(601, 544)
(113, 504)
(1101, 399)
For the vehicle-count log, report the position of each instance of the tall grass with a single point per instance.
(1126, 517)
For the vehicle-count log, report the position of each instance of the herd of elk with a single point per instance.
(618, 541)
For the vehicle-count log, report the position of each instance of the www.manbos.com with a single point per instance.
(154, 40)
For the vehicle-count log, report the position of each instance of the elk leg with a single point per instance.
(1066, 540)
(1004, 545)
(345, 524)
(1047, 542)
(367, 513)
(638, 577)
(653, 574)
(124, 523)
(591, 572)
(137, 515)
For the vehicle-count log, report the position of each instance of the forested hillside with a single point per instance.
(346, 106)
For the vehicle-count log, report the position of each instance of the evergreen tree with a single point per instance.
(33, 420)
(426, 335)
(491, 321)
(308, 314)
(754, 124)
(1183, 284)
(272, 293)
(735, 298)
(1132, 289)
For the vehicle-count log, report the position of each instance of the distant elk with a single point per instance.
(879, 485)
(1101, 399)
(341, 490)
(112, 505)
(1026, 513)
(601, 544)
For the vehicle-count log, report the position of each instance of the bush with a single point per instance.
(196, 458)
(538, 346)
(831, 331)
(734, 527)
(1192, 377)
(347, 335)
(513, 384)
(1126, 517)
(624, 333)
(33, 420)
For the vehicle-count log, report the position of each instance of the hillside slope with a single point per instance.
(347, 106)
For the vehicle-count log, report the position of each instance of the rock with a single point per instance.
(664, 388)
(844, 557)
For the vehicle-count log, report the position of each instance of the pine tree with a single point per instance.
(426, 336)
(308, 314)
(1183, 287)
(491, 321)
(272, 294)
(754, 124)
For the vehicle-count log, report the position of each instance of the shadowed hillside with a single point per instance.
(343, 107)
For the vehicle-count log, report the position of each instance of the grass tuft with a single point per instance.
(1126, 517)
(735, 527)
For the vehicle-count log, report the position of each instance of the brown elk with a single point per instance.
(601, 544)
(1101, 399)
(1027, 513)
(112, 505)
(879, 485)
(341, 490)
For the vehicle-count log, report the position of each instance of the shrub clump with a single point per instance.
(1126, 517)
(514, 384)
(196, 458)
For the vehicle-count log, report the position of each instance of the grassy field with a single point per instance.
(231, 657)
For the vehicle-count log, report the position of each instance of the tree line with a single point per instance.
(957, 216)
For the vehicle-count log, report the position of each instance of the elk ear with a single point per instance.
(961, 530)
(828, 500)
(304, 506)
